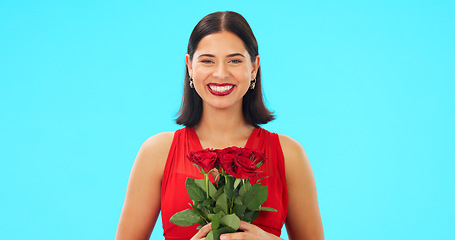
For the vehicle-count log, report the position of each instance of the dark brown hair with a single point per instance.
(254, 110)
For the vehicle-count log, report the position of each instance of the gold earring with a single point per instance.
(253, 83)
(191, 83)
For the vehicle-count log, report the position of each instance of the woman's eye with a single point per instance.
(206, 61)
(236, 61)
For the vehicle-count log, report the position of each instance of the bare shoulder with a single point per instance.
(289, 143)
(297, 165)
(158, 143)
(154, 151)
(292, 150)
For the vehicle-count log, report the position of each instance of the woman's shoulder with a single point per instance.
(159, 139)
(158, 143)
(154, 151)
(293, 152)
(289, 143)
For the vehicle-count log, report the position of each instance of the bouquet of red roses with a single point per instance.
(232, 198)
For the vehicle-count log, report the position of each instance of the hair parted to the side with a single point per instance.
(254, 110)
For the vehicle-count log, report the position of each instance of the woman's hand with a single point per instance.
(251, 232)
(202, 232)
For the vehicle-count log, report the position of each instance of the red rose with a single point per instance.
(205, 159)
(244, 168)
(240, 162)
(255, 156)
(230, 150)
(246, 152)
(258, 157)
(226, 158)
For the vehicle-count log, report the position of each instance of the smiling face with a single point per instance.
(222, 70)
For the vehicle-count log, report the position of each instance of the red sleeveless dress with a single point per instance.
(174, 197)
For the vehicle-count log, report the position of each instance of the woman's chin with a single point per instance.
(222, 105)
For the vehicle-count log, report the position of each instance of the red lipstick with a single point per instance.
(220, 89)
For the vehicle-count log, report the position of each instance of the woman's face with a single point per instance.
(222, 70)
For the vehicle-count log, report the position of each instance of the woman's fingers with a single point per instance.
(251, 232)
(202, 232)
(246, 226)
(234, 236)
(205, 229)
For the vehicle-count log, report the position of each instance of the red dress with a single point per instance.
(174, 197)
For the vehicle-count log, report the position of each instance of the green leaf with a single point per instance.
(231, 221)
(194, 191)
(204, 211)
(218, 193)
(185, 218)
(267, 209)
(254, 204)
(245, 188)
(260, 192)
(254, 216)
(198, 205)
(202, 222)
(211, 236)
(210, 216)
(207, 202)
(198, 210)
(237, 182)
(247, 197)
(217, 220)
(229, 188)
(201, 184)
(221, 203)
(238, 200)
(250, 216)
(254, 198)
(239, 210)
(215, 234)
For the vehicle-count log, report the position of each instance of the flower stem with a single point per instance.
(225, 182)
(207, 184)
(232, 206)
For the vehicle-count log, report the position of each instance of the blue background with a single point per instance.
(365, 86)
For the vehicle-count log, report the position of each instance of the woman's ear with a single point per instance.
(256, 65)
(188, 65)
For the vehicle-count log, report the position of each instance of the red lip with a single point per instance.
(220, 85)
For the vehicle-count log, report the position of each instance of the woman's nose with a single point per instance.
(221, 71)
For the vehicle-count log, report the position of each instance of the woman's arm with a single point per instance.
(303, 220)
(142, 200)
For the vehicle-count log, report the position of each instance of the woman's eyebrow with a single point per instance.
(235, 54)
(230, 55)
(206, 55)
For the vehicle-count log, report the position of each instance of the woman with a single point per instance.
(222, 106)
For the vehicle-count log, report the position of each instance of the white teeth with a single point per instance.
(221, 88)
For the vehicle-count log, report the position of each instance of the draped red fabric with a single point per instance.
(174, 197)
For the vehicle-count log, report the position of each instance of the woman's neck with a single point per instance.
(220, 128)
